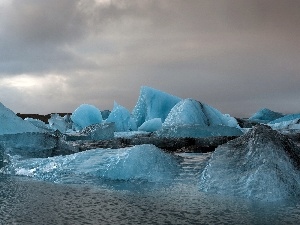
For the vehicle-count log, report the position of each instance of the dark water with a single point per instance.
(27, 201)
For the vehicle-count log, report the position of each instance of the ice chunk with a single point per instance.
(144, 162)
(86, 115)
(197, 131)
(190, 112)
(10, 123)
(95, 132)
(121, 117)
(105, 113)
(265, 116)
(151, 125)
(190, 118)
(29, 144)
(286, 118)
(38, 123)
(186, 112)
(2, 157)
(289, 124)
(56, 122)
(99, 131)
(152, 104)
(262, 164)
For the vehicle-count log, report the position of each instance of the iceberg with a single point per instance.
(190, 111)
(151, 125)
(28, 144)
(286, 118)
(190, 118)
(121, 117)
(139, 163)
(38, 123)
(97, 132)
(10, 123)
(265, 116)
(56, 122)
(262, 164)
(289, 124)
(152, 104)
(197, 131)
(86, 115)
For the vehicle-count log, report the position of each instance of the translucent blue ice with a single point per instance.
(39, 124)
(192, 112)
(152, 104)
(122, 118)
(262, 164)
(10, 123)
(56, 122)
(265, 116)
(151, 125)
(286, 118)
(28, 144)
(197, 131)
(86, 115)
(289, 124)
(144, 163)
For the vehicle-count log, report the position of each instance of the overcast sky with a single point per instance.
(235, 55)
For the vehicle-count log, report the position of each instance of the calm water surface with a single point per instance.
(27, 201)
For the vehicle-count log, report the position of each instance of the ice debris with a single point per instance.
(286, 118)
(262, 164)
(56, 122)
(28, 144)
(289, 124)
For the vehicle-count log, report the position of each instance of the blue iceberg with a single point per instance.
(190, 112)
(265, 116)
(139, 163)
(152, 104)
(151, 125)
(262, 164)
(122, 119)
(190, 118)
(86, 115)
(10, 123)
(286, 118)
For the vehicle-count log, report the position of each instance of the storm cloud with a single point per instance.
(236, 55)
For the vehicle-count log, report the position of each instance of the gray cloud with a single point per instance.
(238, 56)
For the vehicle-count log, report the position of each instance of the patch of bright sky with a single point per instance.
(4, 2)
(28, 82)
(103, 1)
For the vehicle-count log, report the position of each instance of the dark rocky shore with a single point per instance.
(43, 118)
